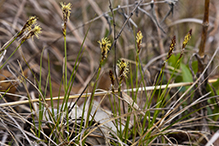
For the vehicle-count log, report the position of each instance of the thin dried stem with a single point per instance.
(148, 88)
(204, 29)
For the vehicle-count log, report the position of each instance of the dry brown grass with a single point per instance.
(89, 14)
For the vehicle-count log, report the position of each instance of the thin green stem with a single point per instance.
(6, 45)
(65, 49)
(11, 54)
(92, 94)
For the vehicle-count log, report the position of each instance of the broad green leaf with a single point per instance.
(172, 60)
(195, 66)
(186, 74)
(216, 84)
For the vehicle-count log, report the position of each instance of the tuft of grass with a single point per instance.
(148, 102)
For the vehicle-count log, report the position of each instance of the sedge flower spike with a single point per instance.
(66, 10)
(123, 68)
(34, 32)
(139, 37)
(27, 26)
(172, 46)
(105, 45)
(186, 39)
(185, 42)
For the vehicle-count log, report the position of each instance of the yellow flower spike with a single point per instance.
(37, 30)
(66, 10)
(123, 68)
(139, 37)
(186, 39)
(34, 32)
(172, 46)
(32, 20)
(27, 26)
(105, 45)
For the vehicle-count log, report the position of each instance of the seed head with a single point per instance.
(105, 45)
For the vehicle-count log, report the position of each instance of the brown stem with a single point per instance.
(201, 52)
(201, 85)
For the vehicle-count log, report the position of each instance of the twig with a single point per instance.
(155, 22)
(114, 35)
(131, 14)
(171, 5)
(200, 56)
(98, 93)
(204, 30)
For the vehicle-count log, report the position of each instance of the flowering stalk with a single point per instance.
(66, 11)
(105, 45)
(123, 70)
(139, 38)
(172, 46)
(27, 27)
(160, 76)
(33, 32)
(185, 42)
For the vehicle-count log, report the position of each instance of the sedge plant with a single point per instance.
(161, 101)
(105, 45)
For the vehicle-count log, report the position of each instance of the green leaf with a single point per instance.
(173, 59)
(216, 84)
(210, 89)
(195, 66)
(186, 74)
